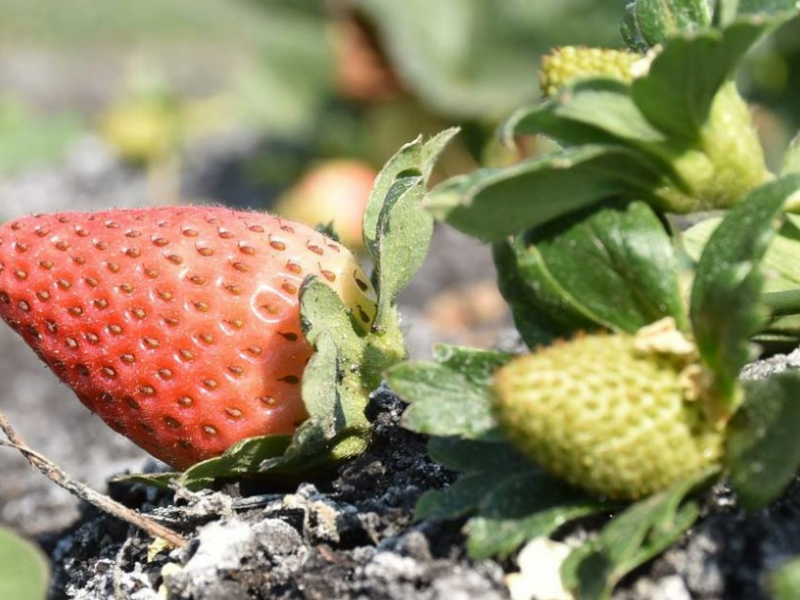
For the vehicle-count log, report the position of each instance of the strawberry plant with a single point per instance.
(222, 342)
(629, 401)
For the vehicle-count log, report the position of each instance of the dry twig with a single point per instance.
(54, 473)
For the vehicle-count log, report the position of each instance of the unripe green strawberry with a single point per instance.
(569, 64)
(178, 326)
(599, 414)
(717, 168)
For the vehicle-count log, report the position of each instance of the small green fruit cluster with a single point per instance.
(606, 416)
(569, 64)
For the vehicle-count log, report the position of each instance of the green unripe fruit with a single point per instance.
(596, 412)
(569, 64)
(715, 168)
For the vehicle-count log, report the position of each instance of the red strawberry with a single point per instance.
(178, 326)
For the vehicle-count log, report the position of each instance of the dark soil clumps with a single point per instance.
(352, 536)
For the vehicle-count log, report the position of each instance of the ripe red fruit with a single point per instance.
(178, 326)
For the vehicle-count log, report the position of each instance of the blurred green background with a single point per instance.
(306, 80)
(287, 84)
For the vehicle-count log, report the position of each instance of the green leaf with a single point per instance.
(416, 158)
(649, 23)
(785, 581)
(725, 310)
(493, 203)
(485, 466)
(477, 365)
(632, 538)
(677, 93)
(476, 456)
(443, 402)
(24, 570)
(524, 507)
(542, 310)
(763, 449)
(460, 499)
(447, 399)
(616, 262)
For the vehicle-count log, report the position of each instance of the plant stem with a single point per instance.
(782, 304)
(54, 473)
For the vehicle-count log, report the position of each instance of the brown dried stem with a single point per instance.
(54, 473)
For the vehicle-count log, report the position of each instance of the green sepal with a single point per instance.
(493, 203)
(679, 105)
(403, 233)
(242, 459)
(724, 306)
(763, 449)
(633, 537)
(449, 397)
(415, 159)
(650, 23)
(336, 386)
(24, 569)
(397, 233)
